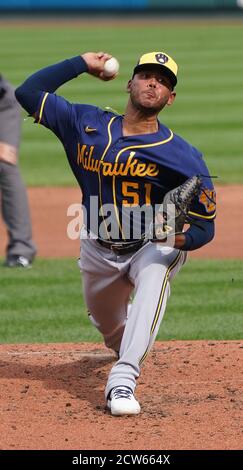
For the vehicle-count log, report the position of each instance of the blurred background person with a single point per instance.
(21, 249)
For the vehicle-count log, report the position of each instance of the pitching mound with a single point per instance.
(190, 392)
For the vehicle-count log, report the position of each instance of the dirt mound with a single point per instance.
(52, 397)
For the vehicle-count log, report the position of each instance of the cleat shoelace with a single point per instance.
(122, 393)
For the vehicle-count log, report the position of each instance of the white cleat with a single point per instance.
(122, 402)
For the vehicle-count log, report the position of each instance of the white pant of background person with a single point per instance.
(109, 281)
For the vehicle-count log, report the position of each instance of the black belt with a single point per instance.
(121, 248)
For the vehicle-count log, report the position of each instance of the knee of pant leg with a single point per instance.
(112, 335)
(114, 344)
(93, 321)
(113, 339)
(79, 264)
(99, 327)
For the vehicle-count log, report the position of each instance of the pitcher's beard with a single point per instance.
(147, 110)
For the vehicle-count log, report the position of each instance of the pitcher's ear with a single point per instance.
(171, 98)
(129, 85)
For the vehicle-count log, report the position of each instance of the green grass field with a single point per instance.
(45, 304)
(208, 109)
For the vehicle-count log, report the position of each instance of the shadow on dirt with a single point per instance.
(83, 379)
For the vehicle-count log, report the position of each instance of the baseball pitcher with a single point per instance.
(126, 166)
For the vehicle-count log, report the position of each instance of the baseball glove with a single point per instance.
(173, 212)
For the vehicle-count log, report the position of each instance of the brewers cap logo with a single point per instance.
(161, 58)
(158, 58)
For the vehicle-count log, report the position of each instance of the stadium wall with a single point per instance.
(126, 5)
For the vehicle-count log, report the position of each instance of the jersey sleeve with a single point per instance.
(58, 114)
(204, 206)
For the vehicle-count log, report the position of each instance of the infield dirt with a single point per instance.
(190, 392)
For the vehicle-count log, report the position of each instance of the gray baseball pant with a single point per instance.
(15, 212)
(109, 282)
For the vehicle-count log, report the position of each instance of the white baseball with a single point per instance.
(111, 67)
